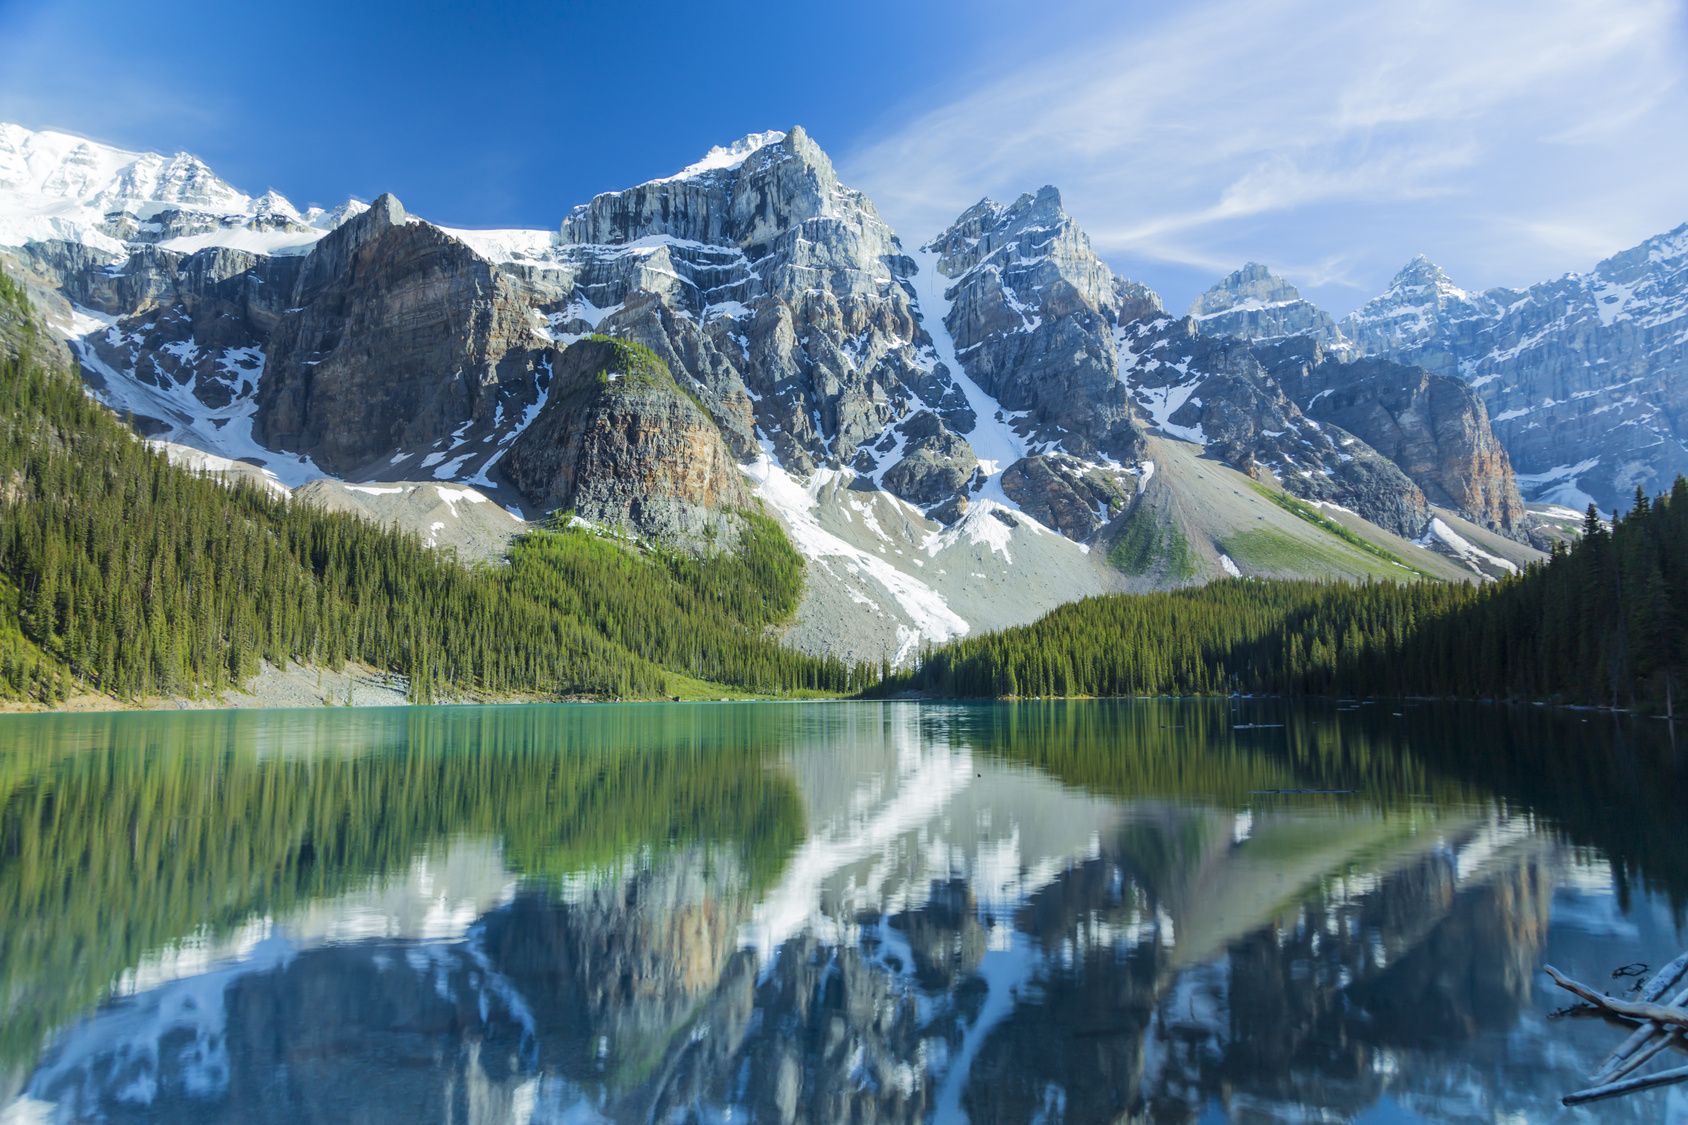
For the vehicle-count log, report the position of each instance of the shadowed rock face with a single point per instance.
(624, 446)
(1435, 428)
(398, 334)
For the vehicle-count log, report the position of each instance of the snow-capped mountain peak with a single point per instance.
(1253, 287)
(57, 187)
(720, 158)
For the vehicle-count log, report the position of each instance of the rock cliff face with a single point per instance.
(1433, 427)
(1584, 377)
(1255, 304)
(397, 335)
(1032, 313)
(618, 443)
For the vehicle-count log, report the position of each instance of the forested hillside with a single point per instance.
(1599, 623)
(136, 578)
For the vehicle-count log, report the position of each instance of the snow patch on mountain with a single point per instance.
(721, 158)
(1559, 485)
(796, 504)
(1479, 560)
(225, 432)
(994, 443)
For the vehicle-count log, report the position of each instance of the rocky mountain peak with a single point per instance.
(1422, 281)
(744, 195)
(1028, 245)
(1254, 303)
(1254, 285)
(331, 258)
(1405, 316)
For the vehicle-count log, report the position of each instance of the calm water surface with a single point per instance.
(1085, 912)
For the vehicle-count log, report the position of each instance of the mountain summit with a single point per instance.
(1256, 304)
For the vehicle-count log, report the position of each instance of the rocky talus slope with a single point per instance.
(955, 437)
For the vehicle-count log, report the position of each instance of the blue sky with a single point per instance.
(1511, 141)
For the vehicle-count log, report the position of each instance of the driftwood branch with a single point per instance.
(1628, 1086)
(1620, 1061)
(1658, 1013)
(1643, 1054)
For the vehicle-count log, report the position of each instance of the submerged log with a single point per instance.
(1628, 1086)
(1658, 1013)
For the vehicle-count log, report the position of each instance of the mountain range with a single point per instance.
(957, 436)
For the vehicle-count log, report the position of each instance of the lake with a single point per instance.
(1191, 911)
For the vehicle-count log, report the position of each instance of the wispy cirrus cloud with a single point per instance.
(1330, 139)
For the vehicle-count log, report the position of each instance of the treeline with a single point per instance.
(1600, 623)
(131, 576)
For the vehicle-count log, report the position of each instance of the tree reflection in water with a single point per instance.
(875, 912)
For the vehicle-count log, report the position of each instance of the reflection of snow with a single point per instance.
(119, 1052)
(1004, 971)
(921, 794)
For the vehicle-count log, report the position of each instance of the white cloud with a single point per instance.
(1334, 138)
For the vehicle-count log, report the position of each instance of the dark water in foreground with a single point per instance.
(1085, 912)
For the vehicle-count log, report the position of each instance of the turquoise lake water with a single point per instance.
(1145, 911)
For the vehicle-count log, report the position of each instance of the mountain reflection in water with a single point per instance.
(854, 912)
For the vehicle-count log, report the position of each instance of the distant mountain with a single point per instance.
(957, 438)
(1256, 304)
(1585, 379)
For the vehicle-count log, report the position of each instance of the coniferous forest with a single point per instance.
(131, 576)
(1600, 623)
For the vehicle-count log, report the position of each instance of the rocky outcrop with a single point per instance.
(619, 443)
(1585, 378)
(936, 464)
(1070, 495)
(397, 336)
(1255, 304)
(1435, 428)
